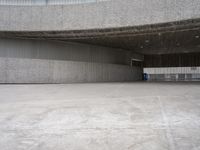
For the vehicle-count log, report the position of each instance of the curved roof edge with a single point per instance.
(183, 25)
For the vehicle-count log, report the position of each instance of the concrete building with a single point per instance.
(46, 45)
(40, 40)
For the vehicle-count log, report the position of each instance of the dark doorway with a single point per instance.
(137, 63)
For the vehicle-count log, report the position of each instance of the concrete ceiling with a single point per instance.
(173, 37)
(157, 43)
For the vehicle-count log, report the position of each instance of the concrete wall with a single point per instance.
(28, 61)
(40, 49)
(108, 14)
(16, 70)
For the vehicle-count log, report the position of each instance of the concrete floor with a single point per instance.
(104, 116)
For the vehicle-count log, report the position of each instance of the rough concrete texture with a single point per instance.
(37, 61)
(51, 50)
(109, 14)
(17, 70)
(115, 116)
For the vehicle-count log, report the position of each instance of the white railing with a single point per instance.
(173, 74)
(46, 2)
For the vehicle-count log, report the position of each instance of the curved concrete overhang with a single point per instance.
(101, 15)
(144, 30)
(146, 27)
(172, 37)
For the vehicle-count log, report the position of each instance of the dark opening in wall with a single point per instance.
(137, 63)
(172, 60)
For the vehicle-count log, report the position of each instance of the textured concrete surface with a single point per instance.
(39, 61)
(108, 14)
(16, 70)
(52, 50)
(115, 116)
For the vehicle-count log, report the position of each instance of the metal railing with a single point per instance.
(46, 2)
(173, 73)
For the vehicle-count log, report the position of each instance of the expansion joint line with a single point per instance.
(169, 134)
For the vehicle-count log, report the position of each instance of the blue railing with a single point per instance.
(46, 2)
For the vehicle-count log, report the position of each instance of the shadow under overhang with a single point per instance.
(172, 37)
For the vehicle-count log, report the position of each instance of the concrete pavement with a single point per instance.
(100, 116)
